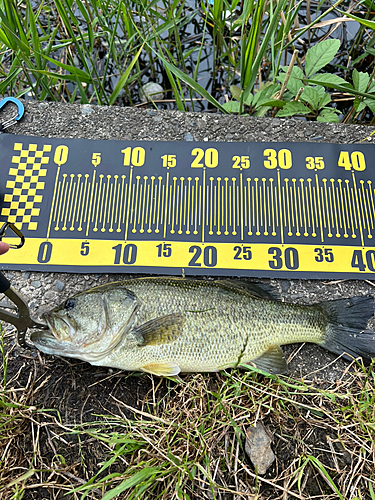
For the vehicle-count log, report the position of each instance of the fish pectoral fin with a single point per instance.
(163, 330)
(162, 369)
(272, 361)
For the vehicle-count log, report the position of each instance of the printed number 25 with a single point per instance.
(242, 253)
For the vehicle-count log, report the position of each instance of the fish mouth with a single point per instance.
(61, 328)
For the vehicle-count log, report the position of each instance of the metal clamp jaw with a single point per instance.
(22, 321)
(14, 119)
(16, 231)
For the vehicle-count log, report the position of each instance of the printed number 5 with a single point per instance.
(85, 248)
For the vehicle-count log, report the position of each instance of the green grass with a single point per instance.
(99, 51)
(191, 442)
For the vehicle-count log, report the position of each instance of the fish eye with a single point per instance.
(70, 304)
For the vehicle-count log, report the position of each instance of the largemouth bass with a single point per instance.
(166, 326)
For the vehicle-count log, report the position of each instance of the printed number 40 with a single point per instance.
(356, 161)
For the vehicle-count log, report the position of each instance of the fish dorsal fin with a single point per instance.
(256, 290)
(163, 330)
(272, 361)
(162, 369)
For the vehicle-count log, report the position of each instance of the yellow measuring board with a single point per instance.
(256, 209)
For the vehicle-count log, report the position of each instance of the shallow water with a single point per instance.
(215, 74)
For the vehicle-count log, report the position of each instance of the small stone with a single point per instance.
(58, 286)
(36, 284)
(50, 295)
(205, 139)
(258, 448)
(188, 137)
(151, 91)
(27, 275)
(317, 138)
(10, 276)
(86, 109)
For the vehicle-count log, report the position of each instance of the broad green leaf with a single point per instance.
(271, 103)
(370, 46)
(328, 116)
(371, 104)
(320, 55)
(311, 96)
(295, 79)
(320, 89)
(332, 80)
(359, 104)
(266, 93)
(249, 99)
(360, 80)
(236, 92)
(342, 88)
(137, 478)
(293, 108)
(326, 99)
(232, 106)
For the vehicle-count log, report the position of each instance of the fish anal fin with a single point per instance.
(162, 369)
(272, 361)
(158, 331)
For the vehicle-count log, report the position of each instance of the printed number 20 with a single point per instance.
(209, 256)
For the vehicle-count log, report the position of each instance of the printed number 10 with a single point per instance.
(134, 156)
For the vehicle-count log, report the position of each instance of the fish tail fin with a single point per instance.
(346, 332)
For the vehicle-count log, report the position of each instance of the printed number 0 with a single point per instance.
(45, 252)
